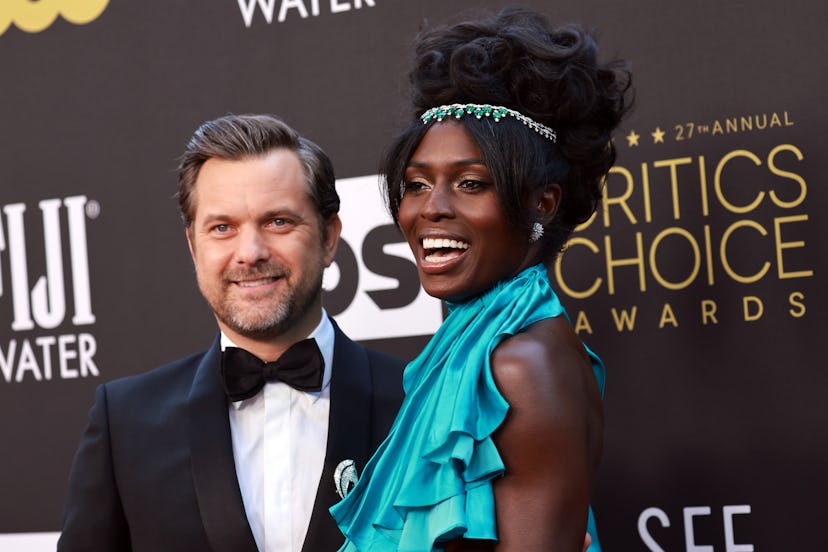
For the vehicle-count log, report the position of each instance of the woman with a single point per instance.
(499, 438)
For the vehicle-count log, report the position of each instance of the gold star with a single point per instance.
(632, 139)
(658, 136)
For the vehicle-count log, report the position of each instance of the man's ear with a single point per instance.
(190, 244)
(332, 231)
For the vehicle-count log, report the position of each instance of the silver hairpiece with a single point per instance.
(496, 112)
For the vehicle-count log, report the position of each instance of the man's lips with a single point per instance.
(256, 283)
(252, 280)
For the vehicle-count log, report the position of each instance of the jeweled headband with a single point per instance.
(496, 112)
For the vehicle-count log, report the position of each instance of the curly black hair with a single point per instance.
(517, 59)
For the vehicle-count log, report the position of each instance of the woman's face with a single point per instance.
(452, 218)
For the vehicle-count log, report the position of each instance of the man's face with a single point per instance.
(258, 246)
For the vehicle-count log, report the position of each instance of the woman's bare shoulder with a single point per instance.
(543, 361)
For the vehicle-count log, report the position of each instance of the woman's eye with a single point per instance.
(412, 186)
(472, 184)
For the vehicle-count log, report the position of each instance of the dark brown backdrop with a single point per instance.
(702, 286)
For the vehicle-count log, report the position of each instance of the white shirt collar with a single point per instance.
(324, 336)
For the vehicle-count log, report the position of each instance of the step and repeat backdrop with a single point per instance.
(701, 282)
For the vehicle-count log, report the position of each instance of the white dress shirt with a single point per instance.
(279, 443)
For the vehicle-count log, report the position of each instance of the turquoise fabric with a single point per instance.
(430, 480)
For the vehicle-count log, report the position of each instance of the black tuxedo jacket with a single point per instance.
(154, 470)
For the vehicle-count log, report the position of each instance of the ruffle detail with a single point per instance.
(430, 480)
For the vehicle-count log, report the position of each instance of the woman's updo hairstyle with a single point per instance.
(551, 74)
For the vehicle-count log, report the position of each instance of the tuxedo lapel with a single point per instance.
(214, 472)
(349, 435)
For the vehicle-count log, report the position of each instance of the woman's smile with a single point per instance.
(452, 218)
(438, 253)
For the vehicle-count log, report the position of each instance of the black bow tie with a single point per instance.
(243, 374)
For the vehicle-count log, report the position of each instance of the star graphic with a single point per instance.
(632, 139)
(658, 136)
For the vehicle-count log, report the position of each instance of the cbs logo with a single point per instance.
(373, 288)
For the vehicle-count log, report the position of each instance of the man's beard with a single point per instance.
(273, 315)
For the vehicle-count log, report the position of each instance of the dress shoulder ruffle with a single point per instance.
(430, 480)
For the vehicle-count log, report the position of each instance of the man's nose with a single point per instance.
(252, 247)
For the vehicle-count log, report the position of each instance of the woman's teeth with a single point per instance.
(441, 249)
(442, 243)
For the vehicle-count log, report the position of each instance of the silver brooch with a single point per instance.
(345, 477)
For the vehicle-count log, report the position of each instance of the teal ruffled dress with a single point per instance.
(431, 479)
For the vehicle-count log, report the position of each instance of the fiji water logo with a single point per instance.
(39, 301)
(34, 16)
(44, 304)
(297, 8)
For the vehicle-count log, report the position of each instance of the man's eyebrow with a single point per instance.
(213, 217)
(278, 213)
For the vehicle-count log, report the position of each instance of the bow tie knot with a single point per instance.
(243, 374)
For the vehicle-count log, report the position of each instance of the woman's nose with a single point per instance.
(439, 203)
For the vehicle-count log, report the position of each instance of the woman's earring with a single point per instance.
(536, 233)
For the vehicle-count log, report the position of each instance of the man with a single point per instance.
(194, 456)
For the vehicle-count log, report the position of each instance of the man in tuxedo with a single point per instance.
(203, 454)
